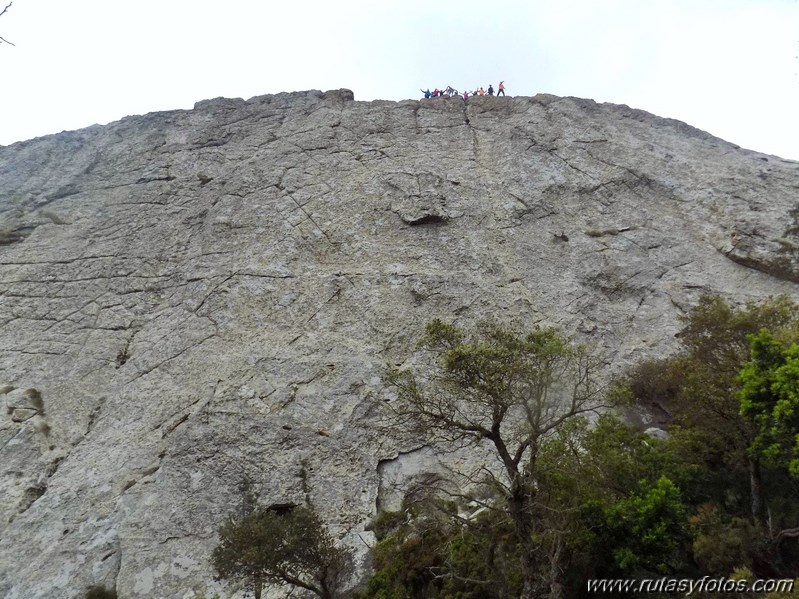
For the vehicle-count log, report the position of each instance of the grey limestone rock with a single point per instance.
(205, 294)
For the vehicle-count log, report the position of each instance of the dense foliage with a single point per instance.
(604, 507)
(732, 395)
(717, 495)
(769, 398)
(575, 493)
(283, 547)
(511, 391)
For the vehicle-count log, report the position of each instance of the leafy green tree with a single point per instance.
(769, 399)
(698, 387)
(603, 508)
(286, 546)
(721, 542)
(513, 391)
(576, 500)
(648, 529)
(734, 448)
(608, 489)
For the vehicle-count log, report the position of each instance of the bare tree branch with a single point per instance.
(788, 533)
(2, 39)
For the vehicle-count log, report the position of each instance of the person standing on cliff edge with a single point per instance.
(501, 88)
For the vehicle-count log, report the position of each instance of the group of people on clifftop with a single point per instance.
(449, 92)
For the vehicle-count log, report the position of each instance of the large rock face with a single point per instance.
(190, 297)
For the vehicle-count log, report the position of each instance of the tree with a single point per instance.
(612, 494)
(769, 399)
(430, 550)
(514, 391)
(647, 529)
(699, 385)
(605, 506)
(284, 545)
(2, 39)
(719, 391)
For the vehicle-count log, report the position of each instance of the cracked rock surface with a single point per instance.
(189, 297)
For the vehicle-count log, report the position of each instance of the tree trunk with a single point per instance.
(521, 517)
(258, 588)
(324, 591)
(555, 585)
(757, 495)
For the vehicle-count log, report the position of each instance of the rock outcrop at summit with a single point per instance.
(190, 297)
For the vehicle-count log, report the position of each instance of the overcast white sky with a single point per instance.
(729, 67)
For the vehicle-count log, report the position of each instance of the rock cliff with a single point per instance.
(189, 297)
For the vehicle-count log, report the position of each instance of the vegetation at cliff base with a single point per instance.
(575, 491)
(599, 499)
(285, 546)
(572, 499)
